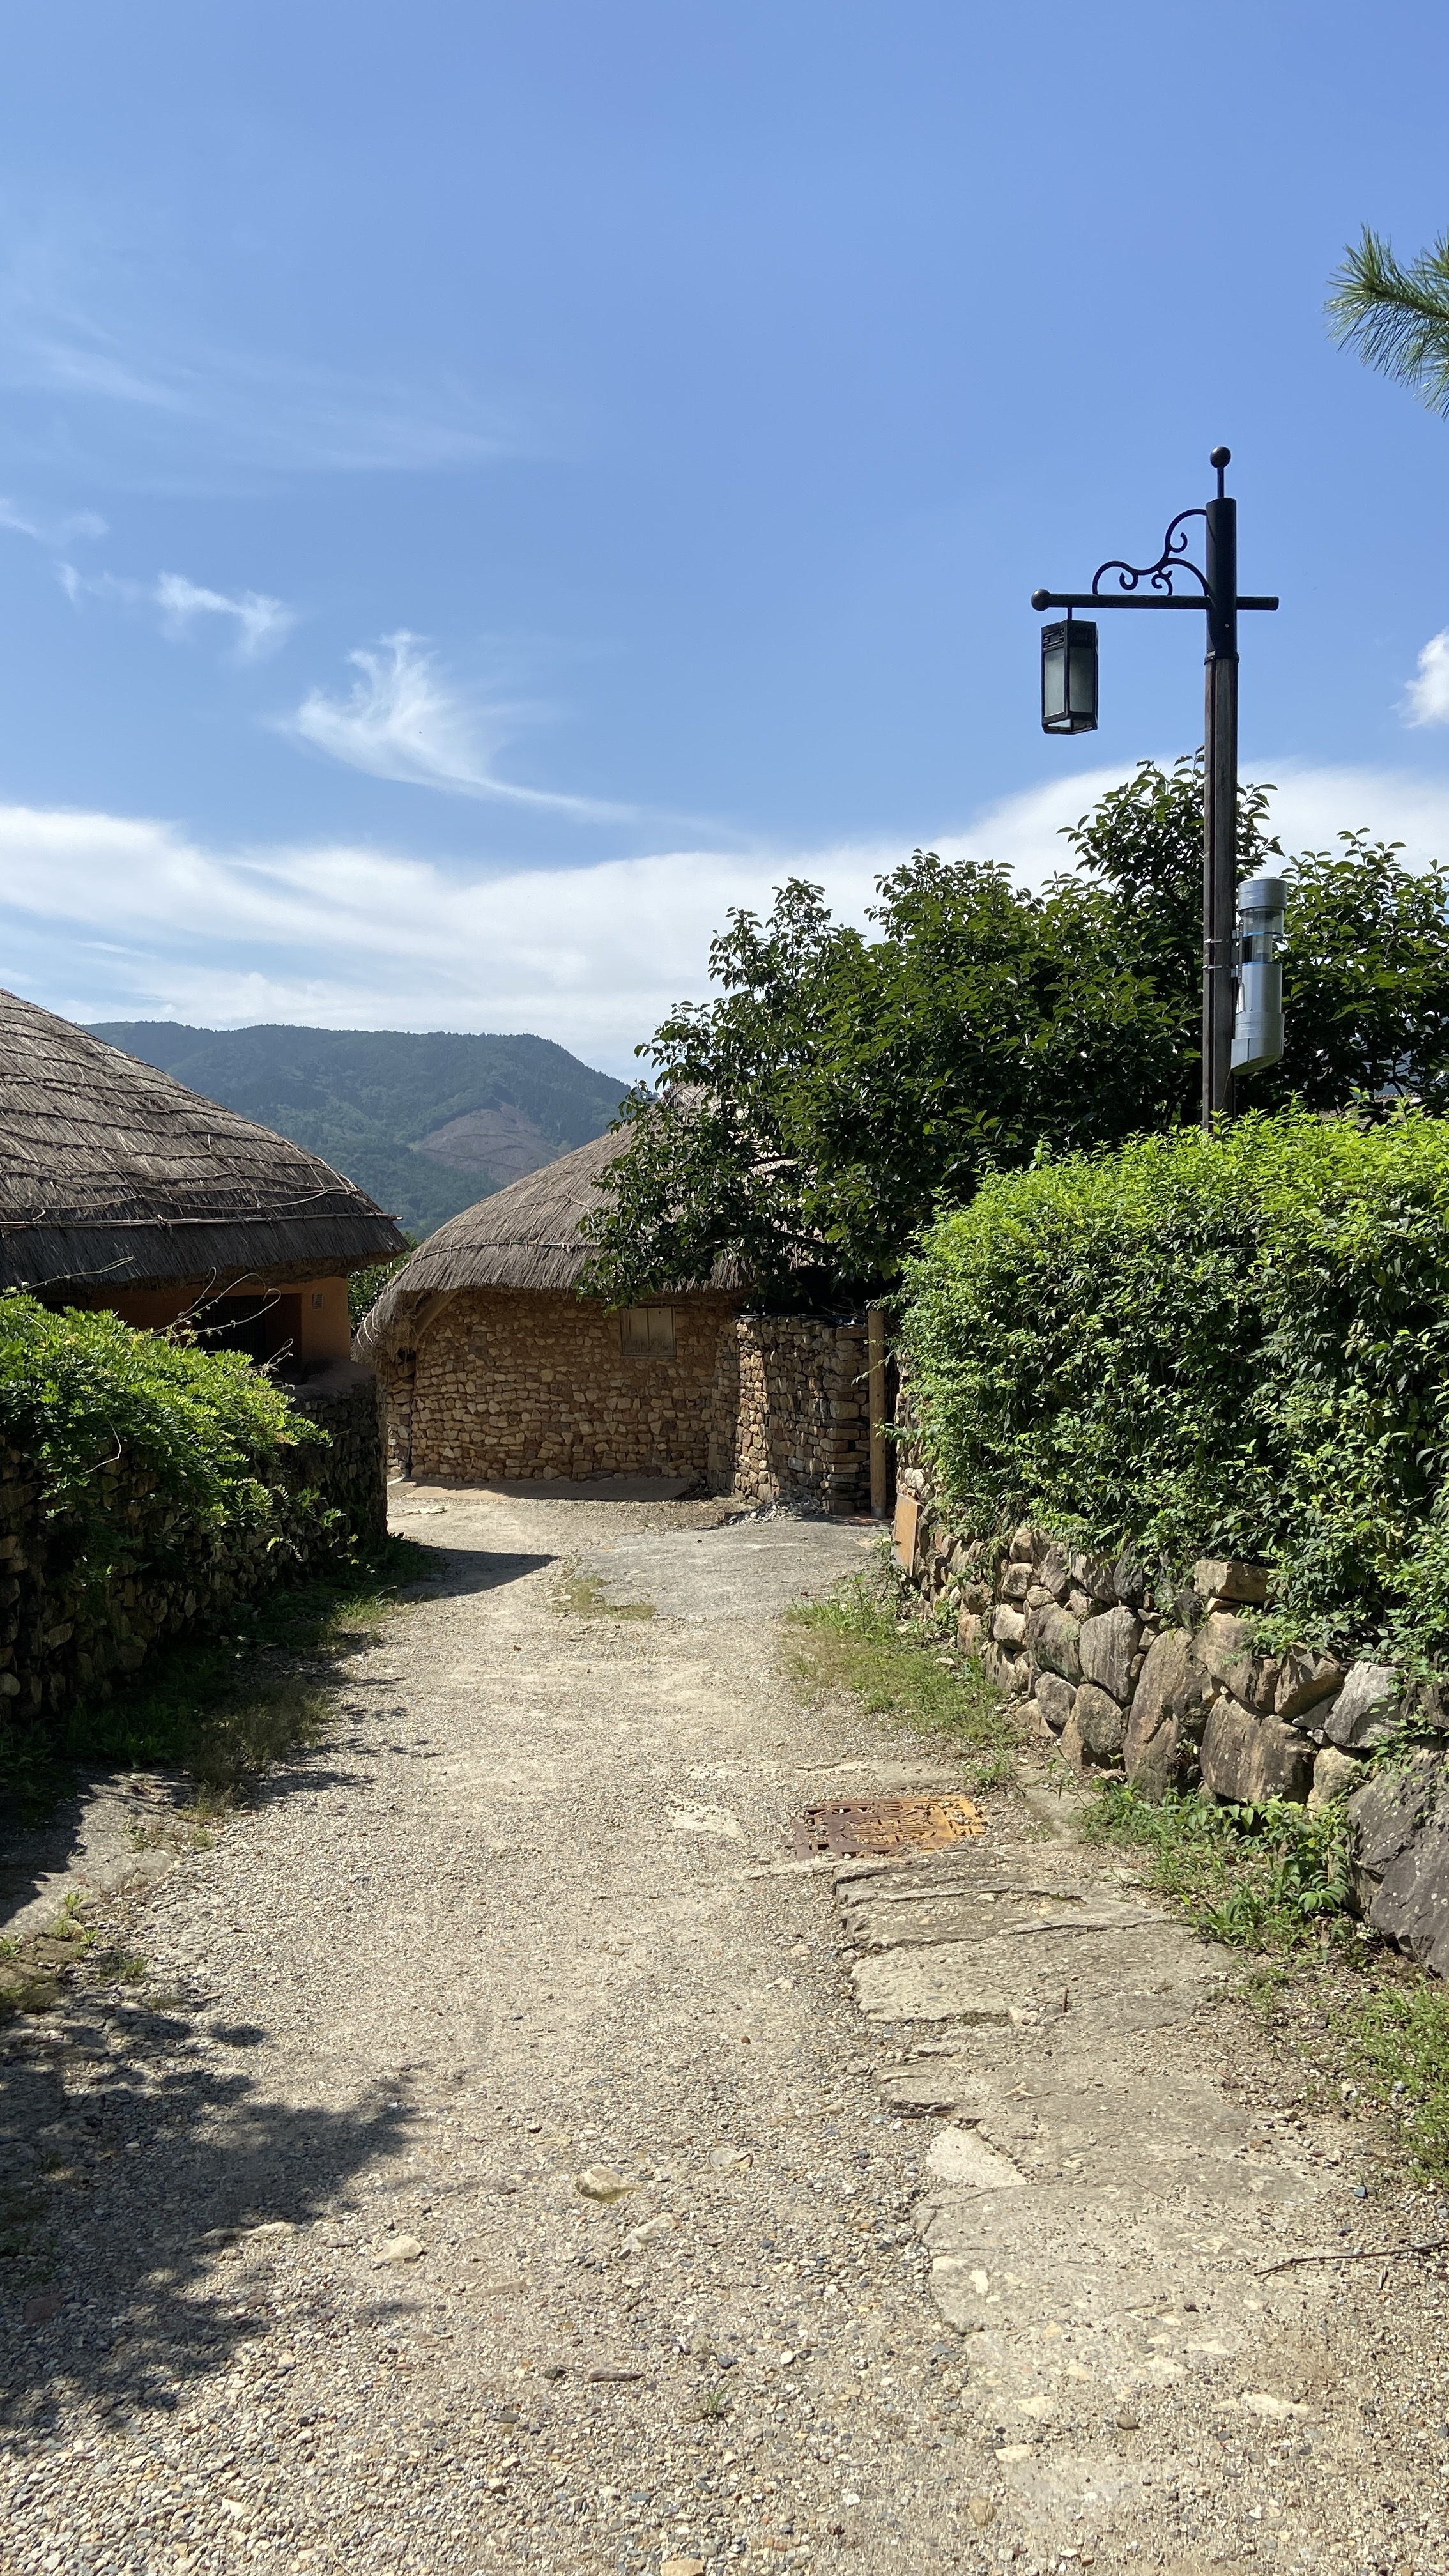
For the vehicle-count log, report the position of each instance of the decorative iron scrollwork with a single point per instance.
(1174, 558)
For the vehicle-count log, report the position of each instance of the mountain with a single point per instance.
(425, 1124)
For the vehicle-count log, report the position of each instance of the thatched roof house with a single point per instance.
(497, 1370)
(121, 1188)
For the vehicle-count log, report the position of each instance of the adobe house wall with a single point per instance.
(312, 1315)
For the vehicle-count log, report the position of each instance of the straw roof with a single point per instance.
(113, 1175)
(525, 1237)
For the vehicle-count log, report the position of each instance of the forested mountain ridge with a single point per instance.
(425, 1124)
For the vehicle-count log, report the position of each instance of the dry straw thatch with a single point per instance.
(114, 1176)
(525, 1237)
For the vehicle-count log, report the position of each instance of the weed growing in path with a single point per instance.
(1264, 1878)
(582, 1596)
(1398, 2038)
(901, 1669)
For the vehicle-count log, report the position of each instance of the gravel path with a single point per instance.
(304, 2275)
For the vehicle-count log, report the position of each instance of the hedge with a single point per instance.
(79, 1391)
(1234, 1344)
(143, 1484)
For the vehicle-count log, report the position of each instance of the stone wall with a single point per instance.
(346, 1399)
(1169, 1691)
(507, 1385)
(789, 1417)
(64, 1632)
(1166, 1689)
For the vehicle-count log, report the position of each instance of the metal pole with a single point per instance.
(875, 1350)
(1220, 800)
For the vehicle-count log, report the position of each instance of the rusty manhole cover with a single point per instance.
(851, 1827)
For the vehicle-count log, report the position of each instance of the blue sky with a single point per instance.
(486, 487)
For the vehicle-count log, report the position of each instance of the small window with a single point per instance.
(647, 1332)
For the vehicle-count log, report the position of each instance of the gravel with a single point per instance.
(303, 2275)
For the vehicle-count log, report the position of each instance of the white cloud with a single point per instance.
(262, 623)
(49, 531)
(111, 917)
(210, 409)
(403, 721)
(1428, 695)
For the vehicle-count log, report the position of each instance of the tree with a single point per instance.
(1397, 318)
(1365, 983)
(845, 1084)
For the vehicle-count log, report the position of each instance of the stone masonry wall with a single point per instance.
(515, 1386)
(1166, 1689)
(789, 1413)
(63, 1632)
(347, 1400)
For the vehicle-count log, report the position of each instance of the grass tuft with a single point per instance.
(582, 1596)
(1398, 2038)
(1264, 1878)
(901, 1669)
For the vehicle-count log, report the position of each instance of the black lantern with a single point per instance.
(1069, 676)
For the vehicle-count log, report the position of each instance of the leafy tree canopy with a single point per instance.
(845, 1084)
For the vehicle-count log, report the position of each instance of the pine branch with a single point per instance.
(1397, 318)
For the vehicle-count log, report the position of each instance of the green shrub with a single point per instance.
(82, 1395)
(1235, 1344)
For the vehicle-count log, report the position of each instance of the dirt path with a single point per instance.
(953, 2192)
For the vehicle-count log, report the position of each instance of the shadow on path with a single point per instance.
(139, 2162)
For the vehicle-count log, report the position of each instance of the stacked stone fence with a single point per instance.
(789, 1419)
(1162, 1684)
(68, 1631)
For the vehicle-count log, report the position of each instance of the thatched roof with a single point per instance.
(114, 1175)
(525, 1237)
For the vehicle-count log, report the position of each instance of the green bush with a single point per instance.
(1236, 1344)
(82, 1394)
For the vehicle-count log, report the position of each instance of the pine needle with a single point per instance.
(1396, 318)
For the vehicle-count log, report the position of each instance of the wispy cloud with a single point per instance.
(1427, 697)
(77, 329)
(402, 720)
(50, 531)
(111, 916)
(262, 622)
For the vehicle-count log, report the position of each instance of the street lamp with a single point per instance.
(1069, 677)
(1217, 594)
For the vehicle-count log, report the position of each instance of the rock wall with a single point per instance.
(789, 1417)
(506, 1385)
(346, 1399)
(66, 1632)
(1168, 1691)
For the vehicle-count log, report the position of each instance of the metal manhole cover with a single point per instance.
(851, 1827)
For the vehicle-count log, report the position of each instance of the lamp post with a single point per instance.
(1069, 705)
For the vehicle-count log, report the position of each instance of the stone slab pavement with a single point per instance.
(512, 2156)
